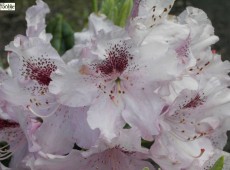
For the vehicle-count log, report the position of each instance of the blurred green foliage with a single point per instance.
(117, 10)
(63, 34)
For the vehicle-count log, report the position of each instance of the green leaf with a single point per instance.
(145, 168)
(117, 10)
(219, 164)
(146, 144)
(63, 35)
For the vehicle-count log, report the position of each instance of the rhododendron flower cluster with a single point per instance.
(154, 81)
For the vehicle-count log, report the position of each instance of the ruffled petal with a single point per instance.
(85, 136)
(142, 110)
(105, 109)
(149, 12)
(35, 17)
(71, 88)
(16, 143)
(172, 153)
(51, 135)
(111, 159)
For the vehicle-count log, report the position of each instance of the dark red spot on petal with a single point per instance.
(39, 69)
(193, 103)
(7, 124)
(116, 60)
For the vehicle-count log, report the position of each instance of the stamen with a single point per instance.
(4, 147)
(38, 115)
(201, 153)
(5, 154)
(6, 157)
(118, 82)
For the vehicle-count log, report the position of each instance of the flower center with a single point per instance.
(116, 60)
(193, 103)
(39, 69)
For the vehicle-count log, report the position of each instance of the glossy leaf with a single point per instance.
(219, 164)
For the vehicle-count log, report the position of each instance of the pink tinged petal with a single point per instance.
(43, 105)
(85, 136)
(105, 109)
(18, 157)
(135, 9)
(183, 51)
(130, 140)
(109, 159)
(72, 88)
(40, 105)
(36, 60)
(142, 111)
(13, 92)
(177, 86)
(151, 12)
(3, 75)
(96, 77)
(120, 156)
(55, 135)
(115, 159)
(217, 154)
(127, 141)
(169, 33)
(35, 17)
(186, 120)
(93, 76)
(219, 66)
(11, 133)
(219, 139)
(219, 106)
(97, 23)
(206, 43)
(169, 65)
(202, 32)
(164, 40)
(188, 99)
(31, 126)
(209, 123)
(187, 128)
(172, 153)
(210, 65)
(219, 136)
(58, 163)
(73, 53)
(36, 63)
